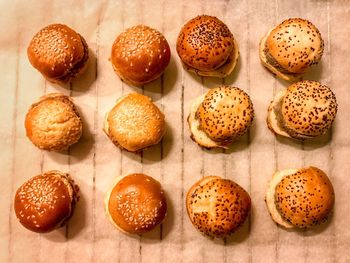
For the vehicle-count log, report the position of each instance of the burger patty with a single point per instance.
(277, 108)
(75, 197)
(270, 59)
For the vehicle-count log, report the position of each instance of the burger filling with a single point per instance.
(271, 200)
(73, 191)
(276, 121)
(273, 62)
(197, 133)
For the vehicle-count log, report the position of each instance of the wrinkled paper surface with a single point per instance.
(178, 162)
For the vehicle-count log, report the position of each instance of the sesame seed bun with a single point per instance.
(46, 201)
(207, 47)
(217, 207)
(305, 109)
(135, 123)
(289, 49)
(300, 198)
(221, 116)
(53, 123)
(58, 53)
(135, 204)
(140, 55)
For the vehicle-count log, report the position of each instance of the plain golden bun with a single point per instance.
(135, 123)
(306, 109)
(136, 204)
(221, 116)
(46, 201)
(207, 47)
(53, 123)
(300, 198)
(289, 49)
(217, 207)
(140, 55)
(59, 53)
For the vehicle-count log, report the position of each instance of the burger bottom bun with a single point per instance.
(274, 118)
(273, 121)
(270, 197)
(264, 61)
(222, 71)
(198, 135)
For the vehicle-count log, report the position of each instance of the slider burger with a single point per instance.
(134, 123)
(46, 201)
(135, 204)
(300, 198)
(207, 47)
(289, 49)
(140, 55)
(220, 116)
(305, 109)
(58, 53)
(217, 207)
(53, 123)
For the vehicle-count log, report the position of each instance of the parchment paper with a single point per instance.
(178, 162)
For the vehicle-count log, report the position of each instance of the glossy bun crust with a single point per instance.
(205, 43)
(207, 47)
(46, 201)
(136, 204)
(135, 123)
(226, 113)
(53, 123)
(58, 52)
(217, 207)
(305, 198)
(140, 55)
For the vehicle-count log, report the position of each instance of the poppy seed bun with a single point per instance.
(225, 113)
(220, 117)
(304, 110)
(289, 49)
(136, 204)
(217, 207)
(135, 123)
(300, 198)
(53, 123)
(207, 47)
(264, 60)
(140, 55)
(46, 201)
(59, 53)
